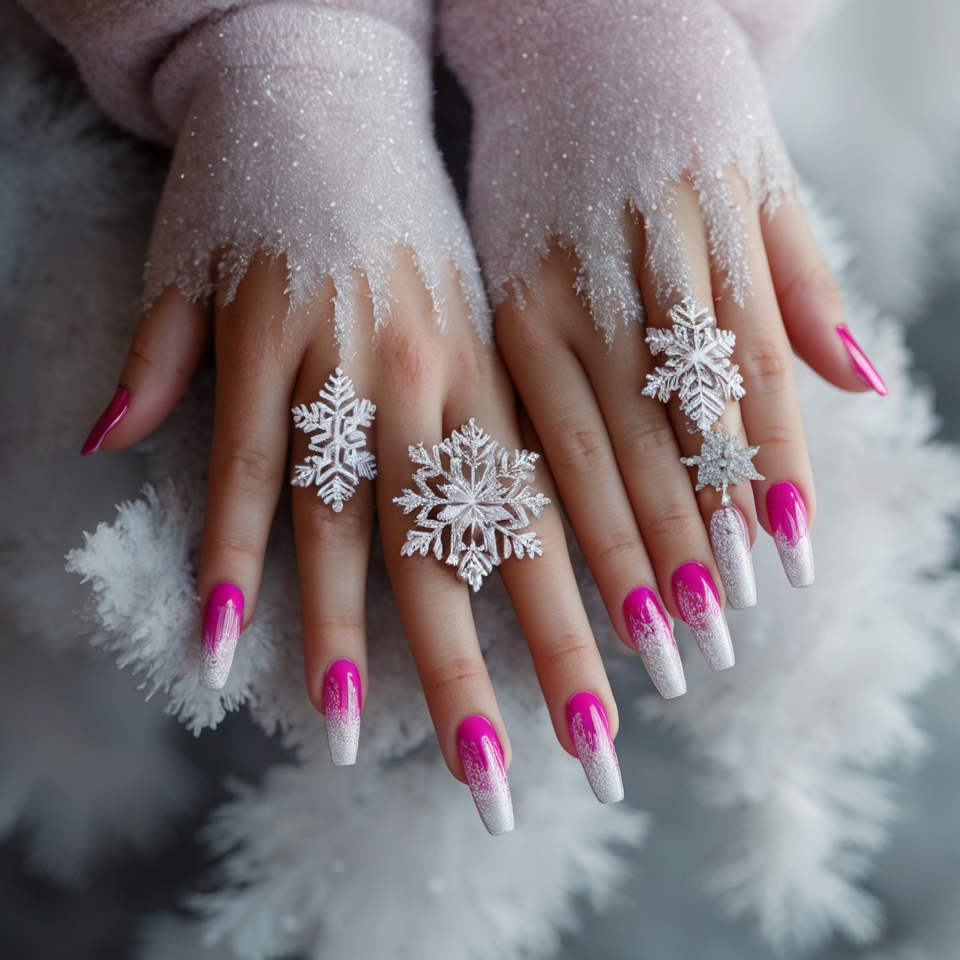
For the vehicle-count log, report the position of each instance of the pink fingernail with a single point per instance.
(590, 733)
(222, 622)
(115, 412)
(788, 517)
(342, 702)
(699, 604)
(482, 758)
(862, 366)
(653, 637)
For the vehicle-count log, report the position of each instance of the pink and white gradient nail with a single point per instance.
(652, 635)
(482, 757)
(590, 733)
(730, 539)
(222, 622)
(342, 702)
(116, 410)
(699, 605)
(861, 364)
(788, 518)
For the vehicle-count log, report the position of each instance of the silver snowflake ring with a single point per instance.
(336, 426)
(722, 462)
(482, 495)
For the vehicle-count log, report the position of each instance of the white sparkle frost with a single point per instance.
(338, 460)
(484, 494)
(698, 367)
(722, 462)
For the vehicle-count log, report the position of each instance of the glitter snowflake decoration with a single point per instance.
(484, 493)
(698, 367)
(722, 462)
(338, 459)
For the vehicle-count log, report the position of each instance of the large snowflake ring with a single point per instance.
(483, 496)
(337, 458)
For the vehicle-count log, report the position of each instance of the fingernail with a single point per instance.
(699, 604)
(116, 409)
(788, 517)
(590, 733)
(653, 637)
(730, 539)
(342, 702)
(222, 621)
(482, 758)
(862, 366)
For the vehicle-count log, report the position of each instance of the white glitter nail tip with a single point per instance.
(730, 539)
(653, 638)
(701, 611)
(797, 559)
(483, 764)
(591, 740)
(341, 697)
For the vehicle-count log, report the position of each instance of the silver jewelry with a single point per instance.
(722, 462)
(483, 495)
(338, 459)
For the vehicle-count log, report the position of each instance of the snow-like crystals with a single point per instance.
(338, 460)
(698, 368)
(722, 462)
(474, 502)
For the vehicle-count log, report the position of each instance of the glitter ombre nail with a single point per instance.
(653, 637)
(730, 539)
(699, 604)
(342, 702)
(590, 733)
(788, 518)
(222, 622)
(482, 758)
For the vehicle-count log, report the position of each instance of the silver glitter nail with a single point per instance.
(653, 638)
(796, 557)
(703, 615)
(343, 726)
(598, 756)
(488, 784)
(730, 539)
(216, 651)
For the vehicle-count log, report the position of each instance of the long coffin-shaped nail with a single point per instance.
(115, 412)
(653, 637)
(590, 733)
(861, 364)
(788, 518)
(342, 701)
(699, 604)
(222, 622)
(730, 539)
(482, 758)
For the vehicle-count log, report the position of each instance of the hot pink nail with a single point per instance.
(590, 733)
(342, 702)
(699, 604)
(788, 518)
(482, 758)
(653, 636)
(862, 366)
(222, 622)
(115, 412)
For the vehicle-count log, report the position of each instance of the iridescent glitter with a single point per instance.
(222, 622)
(788, 517)
(730, 539)
(653, 637)
(342, 702)
(699, 604)
(482, 758)
(590, 733)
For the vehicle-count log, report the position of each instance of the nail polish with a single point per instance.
(652, 635)
(862, 366)
(482, 758)
(590, 733)
(730, 539)
(115, 412)
(788, 518)
(699, 604)
(222, 622)
(342, 702)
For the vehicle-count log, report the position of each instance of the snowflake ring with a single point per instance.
(337, 460)
(484, 498)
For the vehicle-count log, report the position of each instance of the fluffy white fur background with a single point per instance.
(389, 860)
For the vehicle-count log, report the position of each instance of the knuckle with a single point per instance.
(414, 363)
(450, 676)
(615, 551)
(569, 649)
(577, 448)
(248, 470)
(670, 525)
(764, 365)
(521, 332)
(141, 352)
(646, 438)
(326, 529)
(235, 547)
(816, 281)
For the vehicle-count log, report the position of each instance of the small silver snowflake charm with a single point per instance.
(722, 462)
(338, 459)
(483, 494)
(698, 367)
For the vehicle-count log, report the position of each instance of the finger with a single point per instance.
(811, 304)
(164, 354)
(545, 594)
(333, 548)
(256, 368)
